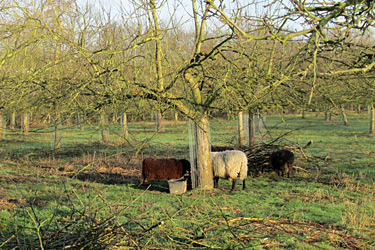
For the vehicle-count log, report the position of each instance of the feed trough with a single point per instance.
(177, 186)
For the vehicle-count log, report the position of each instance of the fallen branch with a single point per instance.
(240, 219)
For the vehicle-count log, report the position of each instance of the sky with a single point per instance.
(184, 7)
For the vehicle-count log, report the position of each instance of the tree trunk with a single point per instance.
(13, 121)
(327, 115)
(25, 124)
(124, 124)
(258, 122)
(343, 114)
(104, 128)
(241, 136)
(251, 130)
(159, 121)
(372, 123)
(158, 58)
(81, 124)
(79, 121)
(1, 125)
(202, 176)
(58, 134)
(176, 116)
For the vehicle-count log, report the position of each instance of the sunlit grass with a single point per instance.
(88, 184)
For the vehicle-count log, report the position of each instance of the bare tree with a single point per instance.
(232, 58)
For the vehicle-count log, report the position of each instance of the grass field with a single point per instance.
(87, 195)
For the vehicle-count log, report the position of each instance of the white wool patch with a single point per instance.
(231, 164)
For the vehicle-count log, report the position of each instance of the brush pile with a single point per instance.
(259, 155)
(259, 158)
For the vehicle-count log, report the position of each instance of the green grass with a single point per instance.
(87, 196)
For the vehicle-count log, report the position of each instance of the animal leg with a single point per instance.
(284, 169)
(233, 184)
(289, 168)
(278, 172)
(216, 182)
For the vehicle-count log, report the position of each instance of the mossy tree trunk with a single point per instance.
(81, 123)
(58, 134)
(158, 60)
(343, 115)
(103, 120)
(159, 121)
(1, 125)
(25, 123)
(199, 113)
(124, 121)
(202, 175)
(327, 114)
(13, 121)
(372, 120)
(241, 136)
(251, 139)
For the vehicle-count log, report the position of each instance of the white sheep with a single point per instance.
(230, 165)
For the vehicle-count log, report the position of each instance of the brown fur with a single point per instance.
(163, 169)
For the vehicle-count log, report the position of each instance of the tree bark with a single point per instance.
(124, 125)
(327, 115)
(241, 137)
(258, 122)
(58, 134)
(158, 59)
(203, 174)
(81, 124)
(159, 121)
(13, 121)
(78, 119)
(372, 123)
(251, 130)
(1, 125)
(104, 128)
(343, 114)
(25, 123)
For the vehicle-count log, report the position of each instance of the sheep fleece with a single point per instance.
(229, 164)
(161, 169)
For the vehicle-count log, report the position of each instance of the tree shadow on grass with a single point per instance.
(105, 178)
(122, 179)
(155, 185)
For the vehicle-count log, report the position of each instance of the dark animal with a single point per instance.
(282, 161)
(163, 169)
(221, 148)
(230, 165)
